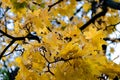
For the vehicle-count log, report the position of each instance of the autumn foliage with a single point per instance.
(53, 43)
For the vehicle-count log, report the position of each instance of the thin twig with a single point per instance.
(1, 55)
(11, 51)
(50, 6)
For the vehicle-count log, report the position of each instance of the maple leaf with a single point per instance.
(86, 7)
(57, 40)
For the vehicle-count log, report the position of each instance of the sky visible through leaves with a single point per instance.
(60, 39)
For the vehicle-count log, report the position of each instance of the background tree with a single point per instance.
(53, 43)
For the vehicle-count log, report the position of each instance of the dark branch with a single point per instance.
(112, 40)
(43, 50)
(93, 20)
(112, 4)
(49, 69)
(50, 6)
(102, 13)
(11, 51)
(9, 36)
(36, 3)
(1, 55)
(106, 3)
(78, 10)
(61, 59)
(29, 36)
(58, 59)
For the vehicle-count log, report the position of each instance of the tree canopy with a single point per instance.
(58, 39)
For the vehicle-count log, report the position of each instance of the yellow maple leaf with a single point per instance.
(91, 33)
(86, 7)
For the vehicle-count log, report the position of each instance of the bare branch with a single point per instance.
(48, 66)
(29, 36)
(112, 4)
(78, 10)
(106, 3)
(36, 3)
(1, 55)
(11, 51)
(112, 40)
(93, 19)
(50, 6)
(9, 36)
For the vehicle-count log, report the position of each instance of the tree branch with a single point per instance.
(9, 36)
(50, 6)
(112, 4)
(78, 10)
(93, 19)
(112, 40)
(29, 36)
(106, 3)
(1, 55)
(11, 51)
